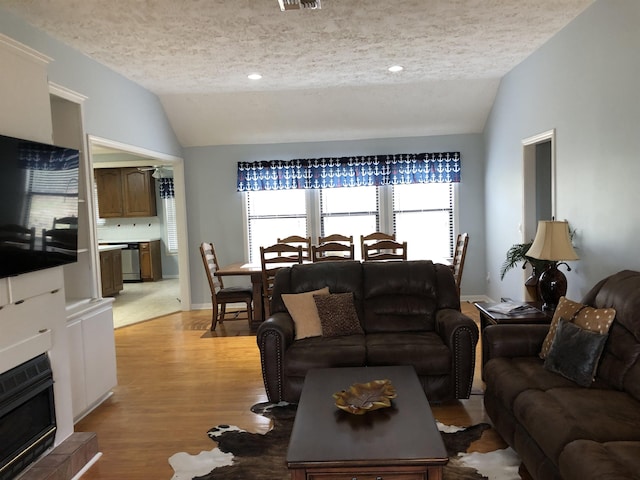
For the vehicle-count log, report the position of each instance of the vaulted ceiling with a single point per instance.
(324, 72)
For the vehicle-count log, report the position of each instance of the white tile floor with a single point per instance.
(142, 301)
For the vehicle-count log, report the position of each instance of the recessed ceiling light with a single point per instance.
(254, 76)
(396, 68)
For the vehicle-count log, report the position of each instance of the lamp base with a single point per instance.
(552, 285)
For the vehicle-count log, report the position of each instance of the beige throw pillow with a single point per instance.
(593, 319)
(304, 312)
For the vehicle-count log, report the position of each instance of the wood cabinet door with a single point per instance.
(106, 273)
(146, 265)
(116, 260)
(139, 193)
(109, 185)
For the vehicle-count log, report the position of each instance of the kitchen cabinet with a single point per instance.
(125, 192)
(111, 272)
(150, 262)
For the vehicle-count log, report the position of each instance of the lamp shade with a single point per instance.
(552, 242)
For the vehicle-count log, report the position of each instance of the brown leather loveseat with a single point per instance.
(562, 430)
(409, 312)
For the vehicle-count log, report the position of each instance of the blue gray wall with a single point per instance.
(584, 83)
(215, 209)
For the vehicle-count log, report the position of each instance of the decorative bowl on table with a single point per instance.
(361, 398)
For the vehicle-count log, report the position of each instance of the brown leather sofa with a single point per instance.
(559, 429)
(410, 314)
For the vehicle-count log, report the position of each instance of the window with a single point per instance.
(168, 197)
(169, 205)
(421, 214)
(272, 214)
(349, 211)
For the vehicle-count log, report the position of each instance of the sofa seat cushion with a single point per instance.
(509, 377)
(424, 350)
(561, 415)
(586, 459)
(324, 352)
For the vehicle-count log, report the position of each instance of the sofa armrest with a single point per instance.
(460, 334)
(274, 336)
(512, 341)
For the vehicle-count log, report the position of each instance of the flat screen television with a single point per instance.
(38, 206)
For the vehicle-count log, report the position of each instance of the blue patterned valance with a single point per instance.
(332, 172)
(35, 156)
(166, 188)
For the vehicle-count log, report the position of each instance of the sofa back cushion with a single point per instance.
(619, 365)
(404, 296)
(340, 277)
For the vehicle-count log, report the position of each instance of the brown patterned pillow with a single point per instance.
(338, 315)
(589, 318)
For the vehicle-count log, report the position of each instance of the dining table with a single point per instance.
(254, 271)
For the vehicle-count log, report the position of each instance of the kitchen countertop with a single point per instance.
(111, 246)
(127, 240)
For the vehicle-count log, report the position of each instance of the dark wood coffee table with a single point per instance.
(401, 442)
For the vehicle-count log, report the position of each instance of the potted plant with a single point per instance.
(517, 254)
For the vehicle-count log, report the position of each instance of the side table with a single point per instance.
(488, 317)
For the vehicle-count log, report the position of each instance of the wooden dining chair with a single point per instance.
(373, 238)
(385, 250)
(459, 255)
(272, 259)
(221, 295)
(332, 251)
(18, 236)
(296, 240)
(336, 237)
(65, 222)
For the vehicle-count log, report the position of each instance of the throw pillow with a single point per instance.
(338, 315)
(593, 319)
(302, 308)
(575, 353)
(565, 309)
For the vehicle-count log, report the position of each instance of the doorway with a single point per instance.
(149, 299)
(539, 184)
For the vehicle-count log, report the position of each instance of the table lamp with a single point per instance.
(553, 244)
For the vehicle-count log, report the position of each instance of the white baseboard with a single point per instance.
(475, 298)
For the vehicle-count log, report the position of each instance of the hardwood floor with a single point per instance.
(176, 379)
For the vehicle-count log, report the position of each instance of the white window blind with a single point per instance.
(170, 223)
(350, 211)
(423, 215)
(273, 214)
(52, 193)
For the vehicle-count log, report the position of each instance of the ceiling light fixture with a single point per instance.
(254, 76)
(396, 68)
(299, 4)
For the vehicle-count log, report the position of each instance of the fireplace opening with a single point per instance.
(27, 415)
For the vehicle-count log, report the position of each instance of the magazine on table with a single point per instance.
(507, 308)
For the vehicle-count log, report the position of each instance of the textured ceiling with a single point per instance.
(331, 63)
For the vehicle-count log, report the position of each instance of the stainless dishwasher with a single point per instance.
(131, 263)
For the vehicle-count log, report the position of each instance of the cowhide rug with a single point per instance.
(242, 455)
